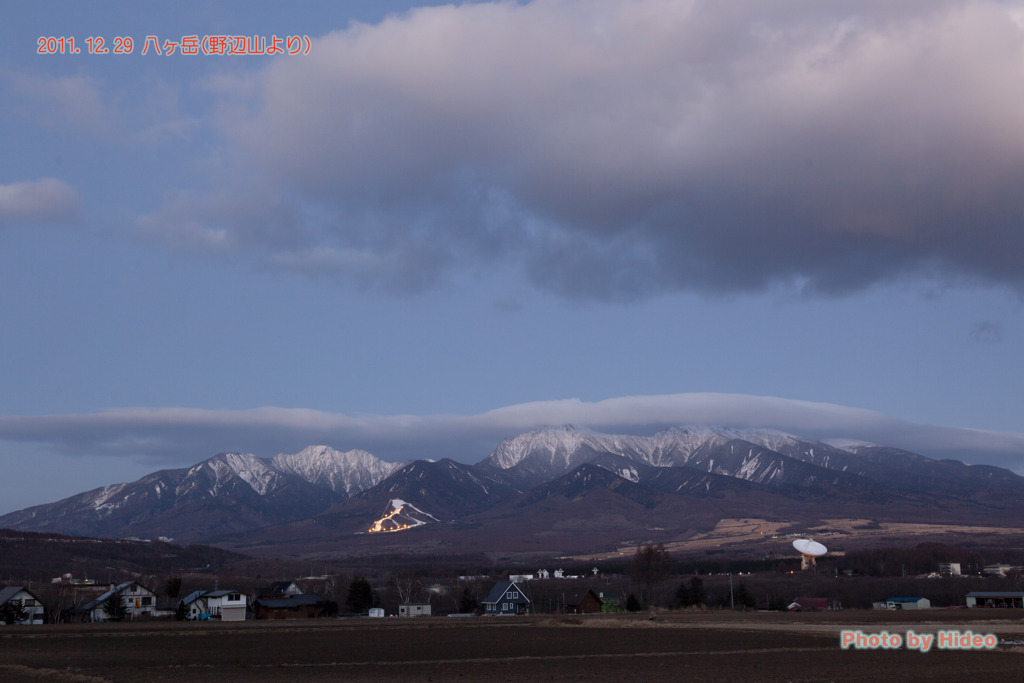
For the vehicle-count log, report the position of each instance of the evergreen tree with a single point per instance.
(114, 607)
(172, 588)
(13, 612)
(360, 595)
(691, 595)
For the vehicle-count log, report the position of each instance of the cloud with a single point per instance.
(988, 331)
(177, 437)
(615, 150)
(46, 200)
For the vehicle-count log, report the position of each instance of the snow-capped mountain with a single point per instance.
(349, 472)
(753, 455)
(545, 477)
(228, 492)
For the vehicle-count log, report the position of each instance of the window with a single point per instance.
(28, 602)
(513, 595)
(146, 602)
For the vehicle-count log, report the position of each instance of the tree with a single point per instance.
(114, 607)
(172, 588)
(692, 595)
(13, 612)
(360, 595)
(744, 598)
(468, 602)
(632, 604)
(650, 565)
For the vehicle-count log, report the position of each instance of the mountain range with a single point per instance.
(558, 489)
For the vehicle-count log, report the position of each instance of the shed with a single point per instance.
(995, 599)
(414, 609)
(908, 603)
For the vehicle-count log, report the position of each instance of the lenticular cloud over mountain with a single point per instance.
(180, 437)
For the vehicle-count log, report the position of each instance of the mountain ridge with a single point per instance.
(320, 493)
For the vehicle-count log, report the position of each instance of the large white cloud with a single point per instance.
(610, 148)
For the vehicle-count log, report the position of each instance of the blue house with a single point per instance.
(506, 598)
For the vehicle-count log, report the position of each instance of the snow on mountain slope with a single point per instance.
(549, 452)
(349, 472)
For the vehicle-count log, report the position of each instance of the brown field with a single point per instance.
(692, 646)
(755, 533)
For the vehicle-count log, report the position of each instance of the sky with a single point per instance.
(418, 228)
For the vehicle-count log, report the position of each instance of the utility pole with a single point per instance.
(732, 604)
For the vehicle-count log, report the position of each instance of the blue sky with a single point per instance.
(445, 216)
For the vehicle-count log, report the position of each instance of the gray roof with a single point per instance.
(9, 592)
(300, 600)
(500, 589)
(990, 594)
(192, 597)
(116, 589)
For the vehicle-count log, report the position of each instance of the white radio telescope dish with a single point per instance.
(809, 550)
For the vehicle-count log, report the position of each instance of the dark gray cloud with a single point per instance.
(615, 150)
(988, 331)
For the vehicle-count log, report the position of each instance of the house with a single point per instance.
(995, 599)
(302, 606)
(136, 600)
(414, 609)
(908, 603)
(226, 605)
(281, 589)
(376, 613)
(506, 598)
(949, 568)
(20, 601)
(999, 569)
(582, 602)
(194, 607)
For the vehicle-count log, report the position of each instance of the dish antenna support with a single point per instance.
(809, 551)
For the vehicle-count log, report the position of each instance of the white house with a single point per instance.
(227, 605)
(21, 597)
(136, 599)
